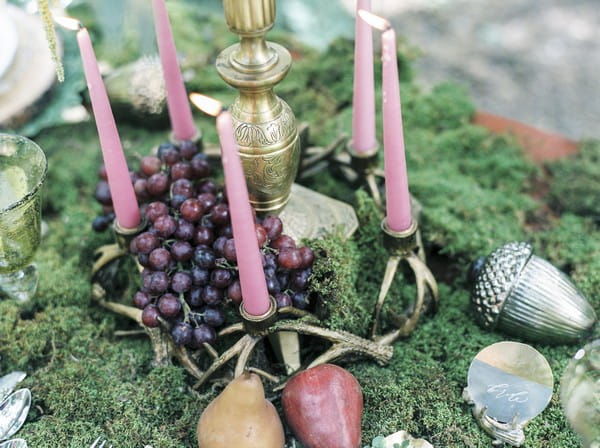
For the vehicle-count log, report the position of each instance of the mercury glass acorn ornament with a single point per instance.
(524, 295)
(580, 393)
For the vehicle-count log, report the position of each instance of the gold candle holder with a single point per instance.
(405, 246)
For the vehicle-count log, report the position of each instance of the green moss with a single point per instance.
(576, 182)
(475, 191)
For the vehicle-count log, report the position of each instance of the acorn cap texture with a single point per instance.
(496, 279)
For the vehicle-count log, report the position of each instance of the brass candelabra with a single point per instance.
(272, 149)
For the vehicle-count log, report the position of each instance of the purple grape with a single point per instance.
(270, 271)
(150, 165)
(308, 256)
(289, 258)
(140, 187)
(168, 153)
(203, 235)
(165, 226)
(191, 210)
(102, 173)
(271, 260)
(273, 285)
(273, 226)
(141, 300)
(177, 200)
(229, 250)
(220, 214)
(226, 231)
(208, 186)
(183, 187)
(200, 166)
(181, 282)
(221, 278)
(187, 149)
(181, 170)
(194, 297)
(200, 276)
(158, 282)
(219, 245)
(185, 230)
(284, 241)
(283, 300)
(169, 305)
(182, 251)
(155, 210)
(146, 242)
(261, 235)
(143, 259)
(182, 333)
(299, 279)
(100, 223)
(159, 259)
(204, 258)
(234, 292)
(157, 184)
(212, 295)
(151, 316)
(102, 193)
(208, 200)
(300, 299)
(204, 334)
(214, 316)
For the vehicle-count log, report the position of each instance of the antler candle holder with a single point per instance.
(253, 328)
(405, 246)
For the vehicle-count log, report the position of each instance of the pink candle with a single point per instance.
(177, 100)
(252, 278)
(399, 217)
(121, 189)
(363, 119)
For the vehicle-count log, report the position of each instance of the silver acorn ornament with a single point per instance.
(524, 295)
(580, 393)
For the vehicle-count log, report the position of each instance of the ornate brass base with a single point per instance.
(405, 246)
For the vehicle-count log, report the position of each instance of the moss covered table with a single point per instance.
(478, 191)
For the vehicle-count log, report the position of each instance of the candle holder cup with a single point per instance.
(23, 168)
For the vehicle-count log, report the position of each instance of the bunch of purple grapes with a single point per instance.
(188, 252)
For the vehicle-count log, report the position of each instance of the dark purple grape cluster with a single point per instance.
(188, 253)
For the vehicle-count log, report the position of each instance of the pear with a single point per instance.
(241, 417)
(323, 406)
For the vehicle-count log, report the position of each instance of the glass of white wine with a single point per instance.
(23, 169)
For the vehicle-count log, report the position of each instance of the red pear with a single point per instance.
(323, 407)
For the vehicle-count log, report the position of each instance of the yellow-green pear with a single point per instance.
(241, 417)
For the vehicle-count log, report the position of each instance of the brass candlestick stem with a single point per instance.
(405, 246)
(265, 127)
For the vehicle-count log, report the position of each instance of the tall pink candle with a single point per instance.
(252, 278)
(399, 217)
(363, 118)
(177, 100)
(121, 189)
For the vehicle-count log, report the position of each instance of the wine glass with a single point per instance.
(23, 169)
